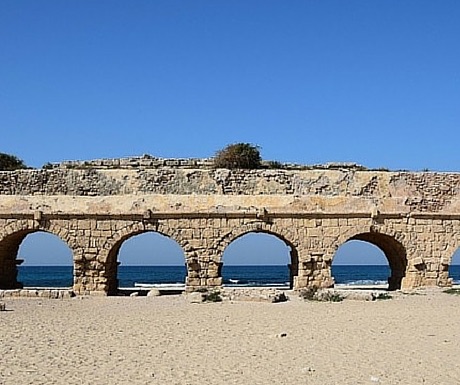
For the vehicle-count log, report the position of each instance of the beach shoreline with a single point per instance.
(177, 289)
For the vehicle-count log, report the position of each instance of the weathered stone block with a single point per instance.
(195, 297)
(193, 281)
(154, 293)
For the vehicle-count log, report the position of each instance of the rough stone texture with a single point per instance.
(29, 293)
(254, 295)
(154, 293)
(357, 295)
(195, 297)
(413, 217)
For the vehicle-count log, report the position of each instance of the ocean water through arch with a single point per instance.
(259, 275)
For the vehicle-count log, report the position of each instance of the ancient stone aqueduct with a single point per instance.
(413, 217)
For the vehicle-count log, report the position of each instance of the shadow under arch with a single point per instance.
(293, 254)
(9, 249)
(394, 252)
(113, 263)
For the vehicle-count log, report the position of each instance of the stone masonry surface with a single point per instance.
(414, 217)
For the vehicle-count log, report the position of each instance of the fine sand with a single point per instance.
(410, 339)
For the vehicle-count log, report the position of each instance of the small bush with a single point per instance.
(11, 163)
(309, 293)
(274, 165)
(383, 296)
(452, 291)
(214, 296)
(330, 296)
(314, 294)
(238, 155)
(47, 166)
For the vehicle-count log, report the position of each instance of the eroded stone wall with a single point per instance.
(427, 192)
(413, 217)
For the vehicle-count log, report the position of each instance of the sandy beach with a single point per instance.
(410, 339)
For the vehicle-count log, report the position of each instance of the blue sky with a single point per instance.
(370, 81)
(155, 249)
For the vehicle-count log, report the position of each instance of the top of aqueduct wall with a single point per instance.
(139, 185)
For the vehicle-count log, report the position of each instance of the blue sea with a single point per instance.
(61, 276)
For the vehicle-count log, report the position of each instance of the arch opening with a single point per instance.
(35, 258)
(259, 259)
(370, 259)
(454, 268)
(146, 260)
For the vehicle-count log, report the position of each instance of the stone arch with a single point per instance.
(449, 255)
(452, 266)
(137, 228)
(259, 227)
(393, 249)
(11, 238)
(111, 248)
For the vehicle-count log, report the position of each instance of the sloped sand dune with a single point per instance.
(410, 339)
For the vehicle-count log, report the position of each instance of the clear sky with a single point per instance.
(371, 81)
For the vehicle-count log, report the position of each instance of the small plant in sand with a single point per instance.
(330, 296)
(214, 296)
(452, 290)
(314, 294)
(383, 296)
(309, 293)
